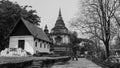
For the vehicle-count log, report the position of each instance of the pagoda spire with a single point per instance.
(60, 12)
(46, 29)
(60, 15)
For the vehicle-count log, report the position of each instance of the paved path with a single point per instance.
(81, 63)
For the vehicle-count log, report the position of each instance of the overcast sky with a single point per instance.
(48, 10)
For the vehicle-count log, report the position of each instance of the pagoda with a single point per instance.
(60, 36)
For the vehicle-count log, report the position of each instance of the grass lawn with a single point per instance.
(4, 60)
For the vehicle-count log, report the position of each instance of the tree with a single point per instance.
(73, 41)
(9, 14)
(73, 38)
(99, 20)
(87, 45)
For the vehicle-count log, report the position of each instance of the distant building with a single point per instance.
(46, 30)
(29, 37)
(60, 36)
(115, 45)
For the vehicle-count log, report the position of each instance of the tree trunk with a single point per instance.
(107, 49)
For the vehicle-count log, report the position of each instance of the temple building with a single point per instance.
(60, 36)
(29, 37)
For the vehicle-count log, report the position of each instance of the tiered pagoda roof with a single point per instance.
(59, 27)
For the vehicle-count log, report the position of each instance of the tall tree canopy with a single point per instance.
(9, 14)
(74, 39)
(99, 19)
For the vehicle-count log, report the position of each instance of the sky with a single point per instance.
(48, 10)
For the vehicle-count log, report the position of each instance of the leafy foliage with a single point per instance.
(89, 46)
(73, 38)
(99, 19)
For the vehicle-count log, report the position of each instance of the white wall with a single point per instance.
(65, 39)
(53, 38)
(42, 49)
(29, 43)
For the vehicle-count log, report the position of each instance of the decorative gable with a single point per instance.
(20, 29)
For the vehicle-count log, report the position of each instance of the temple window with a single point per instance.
(40, 44)
(36, 44)
(44, 45)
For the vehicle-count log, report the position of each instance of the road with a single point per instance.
(81, 63)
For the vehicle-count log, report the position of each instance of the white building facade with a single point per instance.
(29, 37)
